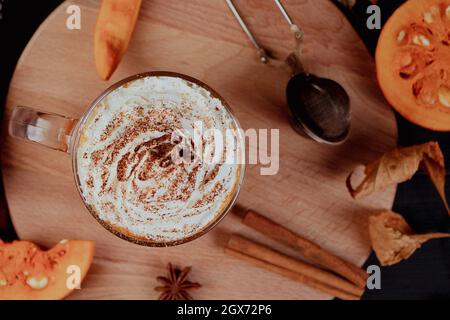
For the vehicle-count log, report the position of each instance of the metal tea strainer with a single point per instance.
(318, 106)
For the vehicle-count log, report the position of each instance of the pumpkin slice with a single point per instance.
(115, 26)
(413, 62)
(28, 273)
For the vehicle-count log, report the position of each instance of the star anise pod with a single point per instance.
(175, 286)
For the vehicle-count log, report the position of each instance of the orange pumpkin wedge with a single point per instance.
(28, 273)
(115, 25)
(413, 62)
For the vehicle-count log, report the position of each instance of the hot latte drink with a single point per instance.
(132, 161)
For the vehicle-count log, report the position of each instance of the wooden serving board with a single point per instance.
(201, 38)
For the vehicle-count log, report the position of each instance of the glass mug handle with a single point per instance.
(49, 129)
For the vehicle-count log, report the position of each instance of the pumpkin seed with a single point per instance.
(444, 96)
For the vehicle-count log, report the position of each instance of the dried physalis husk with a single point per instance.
(348, 3)
(351, 3)
(398, 166)
(393, 240)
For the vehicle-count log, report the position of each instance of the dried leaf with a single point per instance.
(400, 165)
(393, 240)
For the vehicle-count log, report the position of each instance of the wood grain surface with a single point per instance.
(56, 73)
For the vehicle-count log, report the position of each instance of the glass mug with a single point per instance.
(63, 134)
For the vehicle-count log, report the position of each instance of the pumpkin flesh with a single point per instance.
(28, 273)
(413, 62)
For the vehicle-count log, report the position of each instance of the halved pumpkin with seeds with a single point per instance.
(28, 273)
(413, 62)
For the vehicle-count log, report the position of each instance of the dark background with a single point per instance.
(426, 275)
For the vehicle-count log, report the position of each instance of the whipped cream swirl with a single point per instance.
(126, 168)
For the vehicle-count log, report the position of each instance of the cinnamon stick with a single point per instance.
(308, 249)
(245, 246)
(293, 275)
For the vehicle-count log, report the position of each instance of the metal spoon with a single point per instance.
(318, 107)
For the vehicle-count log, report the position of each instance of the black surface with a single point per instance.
(425, 275)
